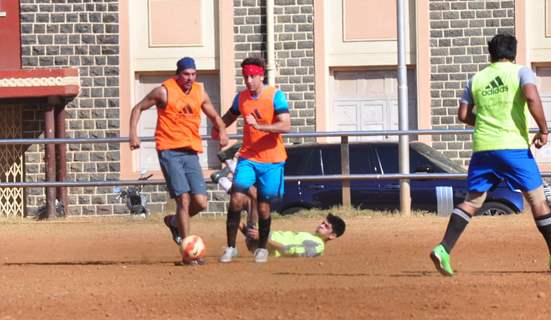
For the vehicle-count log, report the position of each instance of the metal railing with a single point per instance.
(341, 134)
(345, 175)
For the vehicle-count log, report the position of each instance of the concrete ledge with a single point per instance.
(23, 83)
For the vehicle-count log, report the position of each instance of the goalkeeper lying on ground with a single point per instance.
(297, 244)
(280, 243)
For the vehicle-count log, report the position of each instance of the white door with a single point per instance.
(544, 79)
(368, 100)
(147, 155)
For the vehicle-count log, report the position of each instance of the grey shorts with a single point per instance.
(182, 172)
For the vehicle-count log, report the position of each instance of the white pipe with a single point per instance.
(270, 36)
(405, 192)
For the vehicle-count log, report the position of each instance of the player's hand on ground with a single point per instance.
(539, 140)
(252, 233)
(134, 143)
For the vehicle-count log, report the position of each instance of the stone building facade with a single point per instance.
(81, 34)
(294, 51)
(459, 33)
(327, 54)
(85, 34)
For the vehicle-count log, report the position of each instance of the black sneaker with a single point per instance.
(173, 230)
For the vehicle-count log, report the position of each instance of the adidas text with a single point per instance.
(489, 92)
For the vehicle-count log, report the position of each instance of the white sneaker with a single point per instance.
(228, 255)
(261, 255)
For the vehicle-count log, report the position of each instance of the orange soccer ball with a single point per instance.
(192, 247)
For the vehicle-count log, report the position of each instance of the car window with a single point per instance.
(363, 160)
(331, 159)
(390, 160)
(437, 158)
(303, 161)
(388, 154)
(419, 163)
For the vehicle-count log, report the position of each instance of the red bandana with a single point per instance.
(252, 70)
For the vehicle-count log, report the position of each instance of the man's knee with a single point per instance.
(536, 199)
(182, 200)
(475, 200)
(200, 202)
(264, 209)
(238, 201)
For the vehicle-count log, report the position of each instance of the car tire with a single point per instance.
(495, 209)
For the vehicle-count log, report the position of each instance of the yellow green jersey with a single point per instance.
(501, 109)
(298, 244)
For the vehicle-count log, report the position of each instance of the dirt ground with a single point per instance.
(125, 269)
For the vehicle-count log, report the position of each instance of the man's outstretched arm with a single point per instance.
(535, 107)
(158, 97)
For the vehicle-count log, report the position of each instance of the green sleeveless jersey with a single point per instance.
(501, 109)
(298, 244)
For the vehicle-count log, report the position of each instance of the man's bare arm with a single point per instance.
(217, 122)
(465, 114)
(274, 245)
(229, 118)
(282, 125)
(157, 96)
(535, 107)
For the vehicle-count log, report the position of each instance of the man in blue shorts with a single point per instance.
(495, 101)
(261, 157)
(180, 100)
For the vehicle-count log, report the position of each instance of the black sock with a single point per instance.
(458, 221)
(544, 226)
(263, 231)
(232, 224)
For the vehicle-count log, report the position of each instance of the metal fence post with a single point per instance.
(345, 170)
(49, 155)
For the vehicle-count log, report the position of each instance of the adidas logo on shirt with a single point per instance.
(496, 86)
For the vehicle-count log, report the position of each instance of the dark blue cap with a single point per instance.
(185, 63)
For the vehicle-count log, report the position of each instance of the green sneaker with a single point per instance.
(441, 260)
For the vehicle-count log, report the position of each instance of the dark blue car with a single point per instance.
(379, 158)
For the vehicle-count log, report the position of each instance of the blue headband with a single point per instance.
(185, 63)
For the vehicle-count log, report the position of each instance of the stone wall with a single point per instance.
(82, 34)
(459, 32)
(294, 46)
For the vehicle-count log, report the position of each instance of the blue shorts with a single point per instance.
(182, 172)
(267, 177)
(516, 167)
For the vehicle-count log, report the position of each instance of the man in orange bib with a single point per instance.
(179, 102)
(261, 157)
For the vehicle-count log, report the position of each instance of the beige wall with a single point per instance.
(146, 57)
(533, 25)
(357, 13)
(359, 39)
(547, 18)
(175, 23)
(422, 68)
(321, 68)
(361, 34)
(538, 43)
(146, 50)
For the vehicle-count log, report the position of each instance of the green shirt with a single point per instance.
(299, 244)
(501, 112)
